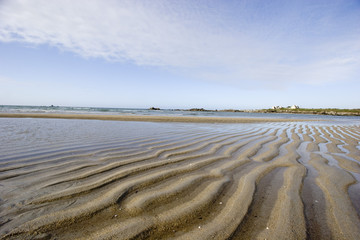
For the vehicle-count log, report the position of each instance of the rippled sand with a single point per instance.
(86, 179)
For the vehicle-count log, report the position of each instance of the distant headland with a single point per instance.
(294, 109)
(319, 111)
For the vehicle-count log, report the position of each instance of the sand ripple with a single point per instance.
(196, 181)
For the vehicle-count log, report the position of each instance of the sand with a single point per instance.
(147, 118)
(261, 180)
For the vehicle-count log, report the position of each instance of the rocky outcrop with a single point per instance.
(333, 112)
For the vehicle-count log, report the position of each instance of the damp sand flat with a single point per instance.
(86, 179)
(144, 118)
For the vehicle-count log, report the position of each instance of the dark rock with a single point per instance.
(198, 110)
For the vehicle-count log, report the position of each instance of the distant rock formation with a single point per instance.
(207, 110)
(198, 110)
(230, 110)
(154, 108)
(322, 111)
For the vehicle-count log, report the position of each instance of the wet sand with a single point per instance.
(140, 118)
(128, 180)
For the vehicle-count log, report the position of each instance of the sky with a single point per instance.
(214, 54)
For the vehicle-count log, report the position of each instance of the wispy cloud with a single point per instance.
(277, 43)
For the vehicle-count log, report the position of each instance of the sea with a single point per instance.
(166, 112)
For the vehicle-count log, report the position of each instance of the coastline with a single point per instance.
(318, 111)
(307, 111)
(141, 118)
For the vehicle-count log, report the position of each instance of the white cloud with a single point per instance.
(206, 40)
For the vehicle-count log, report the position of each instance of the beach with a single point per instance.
(77, 176)
(142, 118)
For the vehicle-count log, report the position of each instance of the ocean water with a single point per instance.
(165, 112)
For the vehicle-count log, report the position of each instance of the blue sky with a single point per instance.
(180, 54)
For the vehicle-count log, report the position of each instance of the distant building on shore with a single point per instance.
(289, 107)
